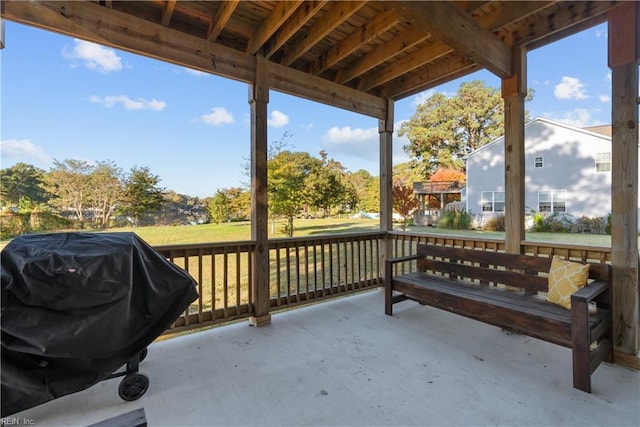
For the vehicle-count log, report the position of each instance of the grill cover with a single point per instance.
(77, 306)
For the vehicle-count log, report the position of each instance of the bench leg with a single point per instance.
(388, 289)
(580, 347)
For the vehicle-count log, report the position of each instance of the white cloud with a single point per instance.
(128, 103)
(218, 116)
(196, 73)
(604, 98)
(23, 150)
(94, 56)
(579, 117)
(361, 143)
(278, 119)
(570, 88)
(422, 97)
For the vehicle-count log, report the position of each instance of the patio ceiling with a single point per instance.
(350, 54)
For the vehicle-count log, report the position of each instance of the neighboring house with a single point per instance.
(567, 169)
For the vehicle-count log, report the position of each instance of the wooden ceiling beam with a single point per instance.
(167, 12)
(428, 77)
(492, 22)
(573, 17)
(460, 31)
(92, 22)
(269, 26)
(222, 17)
(380, 54)
(339, 12)
(291, 27)
(363, 35)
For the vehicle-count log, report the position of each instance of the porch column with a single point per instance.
(258, 99)
(623, 61)
(385, 128)
(514, 91)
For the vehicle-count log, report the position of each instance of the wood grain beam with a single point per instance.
(269, 26)
(221, 18)
(167, 12)
(339, 12)
(565, 21)
(493, 21)
(363, 35)
(92, 22)
(427, 77)
(291, 27)
(382, 53)
(458, 30)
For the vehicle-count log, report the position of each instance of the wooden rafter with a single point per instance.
(458, 30)
(167, 12)
(493, 21)
(291, 27)
(276, 19)
(381, 53)
(357, 39)
(221, 18)
(339, 13)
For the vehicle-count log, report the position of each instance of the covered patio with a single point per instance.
(342, 363)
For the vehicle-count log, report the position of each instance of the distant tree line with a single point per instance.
(75, 194)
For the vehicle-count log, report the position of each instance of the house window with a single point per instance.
(538, 162)
(492, 201)
(552, 201)
(603, 162)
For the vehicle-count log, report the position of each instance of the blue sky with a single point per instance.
(63, 98)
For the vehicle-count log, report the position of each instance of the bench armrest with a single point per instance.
(403, 259)
(590, 292)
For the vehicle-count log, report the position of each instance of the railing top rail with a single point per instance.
(204, 245)
(326, 237)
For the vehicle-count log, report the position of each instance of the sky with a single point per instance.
(62, 98)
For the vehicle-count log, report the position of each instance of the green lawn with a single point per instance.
(169, 235)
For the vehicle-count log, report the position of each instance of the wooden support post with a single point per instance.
(514, 91)
(385, 128)
(258, 99)
(624, 47)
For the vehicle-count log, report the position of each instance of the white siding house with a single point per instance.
(567, 169)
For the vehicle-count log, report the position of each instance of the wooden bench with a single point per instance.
(509, 291)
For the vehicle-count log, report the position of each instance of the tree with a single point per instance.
(142, 195)
(287, 185)
(22, 183)
(68, 182)
(326, 186)
(219, 207)
(360, 197)
(404, 202)
(107, 191)
(444, 130)
(449, 174)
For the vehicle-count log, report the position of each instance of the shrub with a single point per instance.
(554, 223)
(497, 223)
(455, 220)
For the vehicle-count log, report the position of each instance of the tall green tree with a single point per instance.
(219, 207)
(286, 184)
(107, 192)
(444, 130)
(358, 195)
(326, 184)
(22, 183)
(142, 194)
(68, 181)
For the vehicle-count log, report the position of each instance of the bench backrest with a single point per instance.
(521, 271)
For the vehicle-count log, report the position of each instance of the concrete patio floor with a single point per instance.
(345, 363)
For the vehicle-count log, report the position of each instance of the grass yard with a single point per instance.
(168, 235)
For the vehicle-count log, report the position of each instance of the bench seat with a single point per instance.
(509, 291)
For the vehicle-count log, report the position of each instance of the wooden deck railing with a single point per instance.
(302, 270)
(310, 269)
